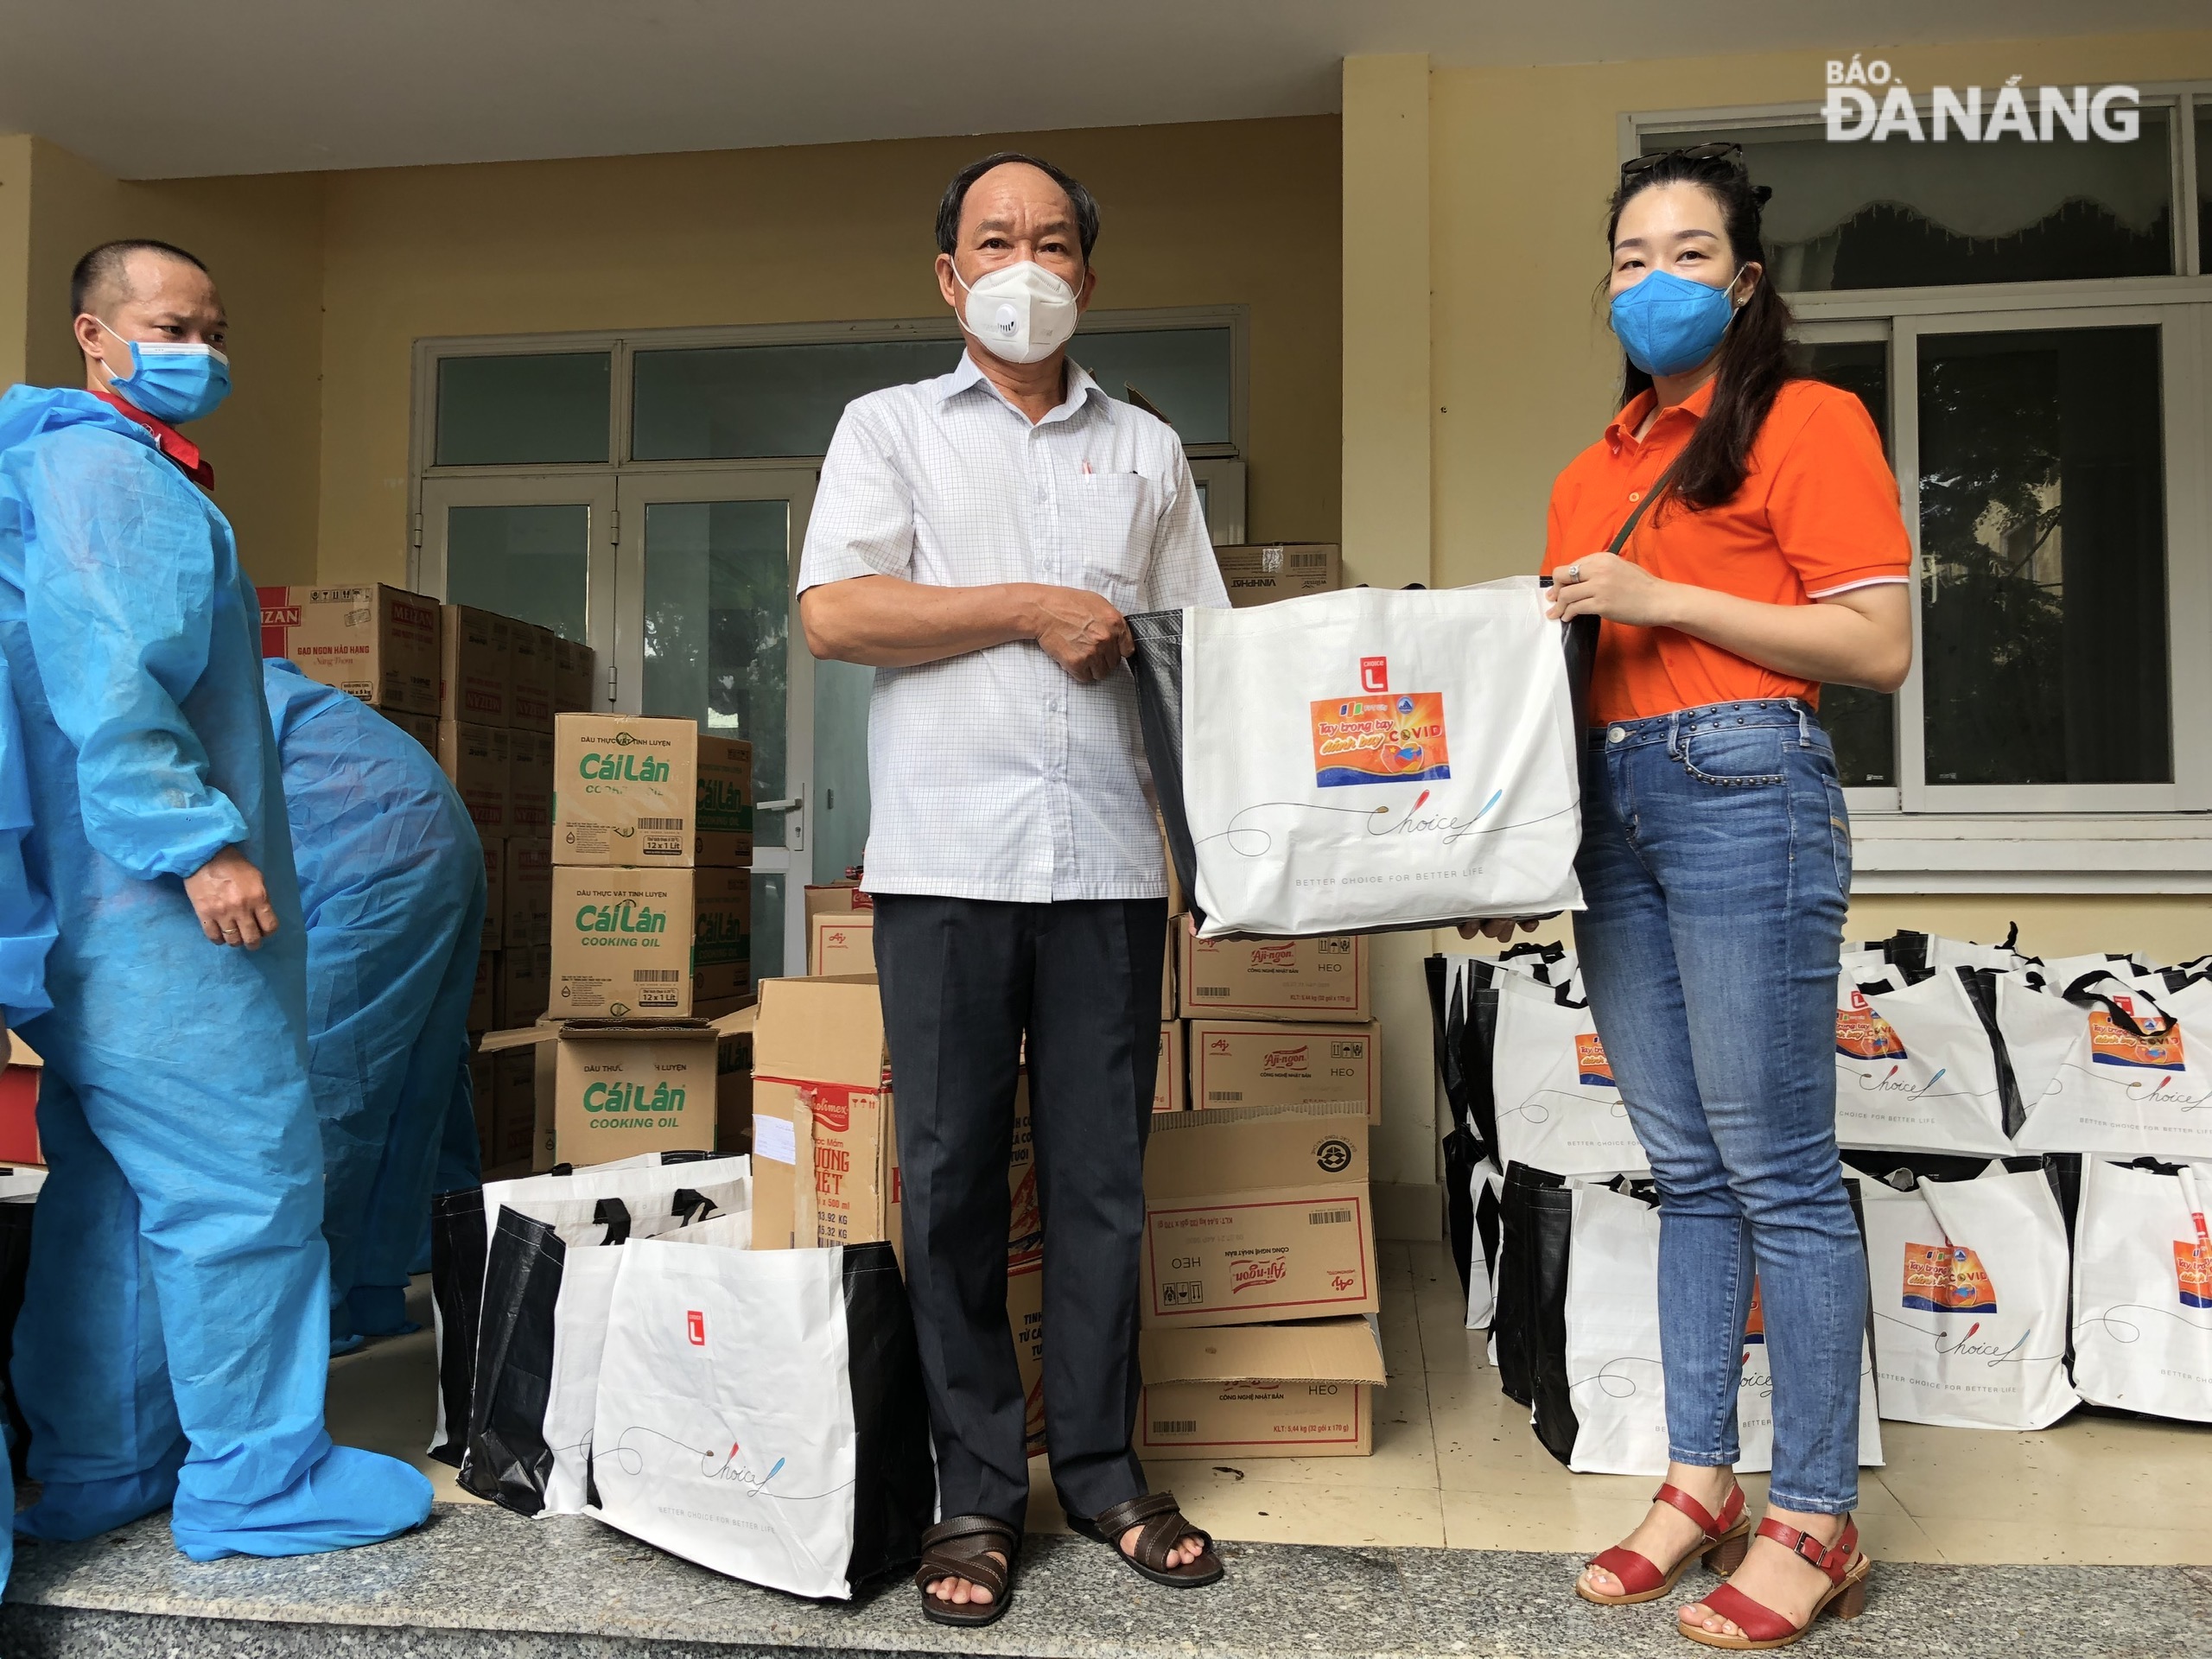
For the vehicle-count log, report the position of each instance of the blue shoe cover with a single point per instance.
(66, 1511)
(348, 1498)
(380, 1310)
(341, 1346)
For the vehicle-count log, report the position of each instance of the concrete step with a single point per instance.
(477, 1583)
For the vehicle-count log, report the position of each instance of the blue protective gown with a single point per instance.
(391, 884)
(26, 931)
(175, 1325)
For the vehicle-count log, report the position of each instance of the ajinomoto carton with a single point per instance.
(1255, 1215)
(841, 942)
(1258, 575)
(1301, 1390)
(575, 667)
(633, 790)
(1168, 1094)
(379, 643)
(530, 677)
(495, 892)
(649, 944)
(625, 1088)
(1272, 979)
(1266, 1063)
(526, 886)
(474, 759)
(529, 784)
(473, 672)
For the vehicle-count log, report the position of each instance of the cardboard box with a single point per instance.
(733, 1086)
(649, 943)
(1254, 1216)
(1167, 1004)
(526, 983)
(530, 677)
(495, 892)
(1261, 1391)
(621, 1088)
(1024, 1313)
(576, 675)
(474, 759)
(473, 671)
(423, 728)
(379, 643)
(630, 791)
(1169, 1088)
(1258, 575)
(820, 1106)
(527, 882)
(483, 1097)
(514, 1112)
(1263, 1063)
(1272, 979)
(483, 1000)
(19, 1082)
(529, 784)
(841, 942)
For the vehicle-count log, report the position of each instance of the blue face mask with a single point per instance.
(1668, 324)
(174, 383)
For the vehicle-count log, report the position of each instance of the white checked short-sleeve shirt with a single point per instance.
(994, 775)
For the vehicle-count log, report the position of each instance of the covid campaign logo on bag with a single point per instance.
(1379, 736)
(1594, 1069)
(1863, 1034)
(1947, 1279)
(2155, 1047)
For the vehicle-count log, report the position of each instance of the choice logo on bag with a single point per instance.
(1947, 1279)
(1377, 737)
(1595, 1071)
(1863, 1034)
(2113, 1043)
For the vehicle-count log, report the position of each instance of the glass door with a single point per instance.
(707, 629)
(541, 548)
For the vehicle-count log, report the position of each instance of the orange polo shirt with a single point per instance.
(1817, 514)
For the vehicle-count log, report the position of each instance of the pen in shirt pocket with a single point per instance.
(1086, 469)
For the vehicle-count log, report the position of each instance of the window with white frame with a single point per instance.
(2030, 325)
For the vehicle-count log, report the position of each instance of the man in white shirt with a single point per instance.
(976, 539)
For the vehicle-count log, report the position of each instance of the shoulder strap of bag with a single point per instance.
(1650, 497)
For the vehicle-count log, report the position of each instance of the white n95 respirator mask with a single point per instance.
(1021, 312)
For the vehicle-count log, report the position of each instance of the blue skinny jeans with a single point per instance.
(1716, 863)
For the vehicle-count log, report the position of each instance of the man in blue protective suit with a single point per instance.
(173, 1343)
(391, 886)
(26, 932)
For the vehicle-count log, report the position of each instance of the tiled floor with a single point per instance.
(1455, 1464)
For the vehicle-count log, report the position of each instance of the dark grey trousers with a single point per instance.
(963, 981)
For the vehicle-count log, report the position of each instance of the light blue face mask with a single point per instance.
(1668, 324)
(174, 383)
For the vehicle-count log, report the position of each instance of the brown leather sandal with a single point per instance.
(960, 1547)
(1163, 1527)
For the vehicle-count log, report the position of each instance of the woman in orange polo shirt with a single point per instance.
(1716, 863)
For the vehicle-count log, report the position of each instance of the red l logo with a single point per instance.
(1374, 674)
(695, 1325)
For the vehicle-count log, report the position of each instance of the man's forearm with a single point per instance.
(888, 622)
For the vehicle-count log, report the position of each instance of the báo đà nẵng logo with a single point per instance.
(1379, 736)
(1946, 1279)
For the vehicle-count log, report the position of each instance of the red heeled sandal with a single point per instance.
(1764, 1628)
(1641, 1580)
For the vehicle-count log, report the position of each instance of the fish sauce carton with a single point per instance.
(631, 791)
(379, 643)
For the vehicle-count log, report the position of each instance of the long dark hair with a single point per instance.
(1755, 352)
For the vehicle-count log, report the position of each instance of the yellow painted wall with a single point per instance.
(1233, 212)
(1522, 161)
(261, 238)
(14, 252)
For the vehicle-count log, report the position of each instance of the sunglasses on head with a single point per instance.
(1733, 154)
